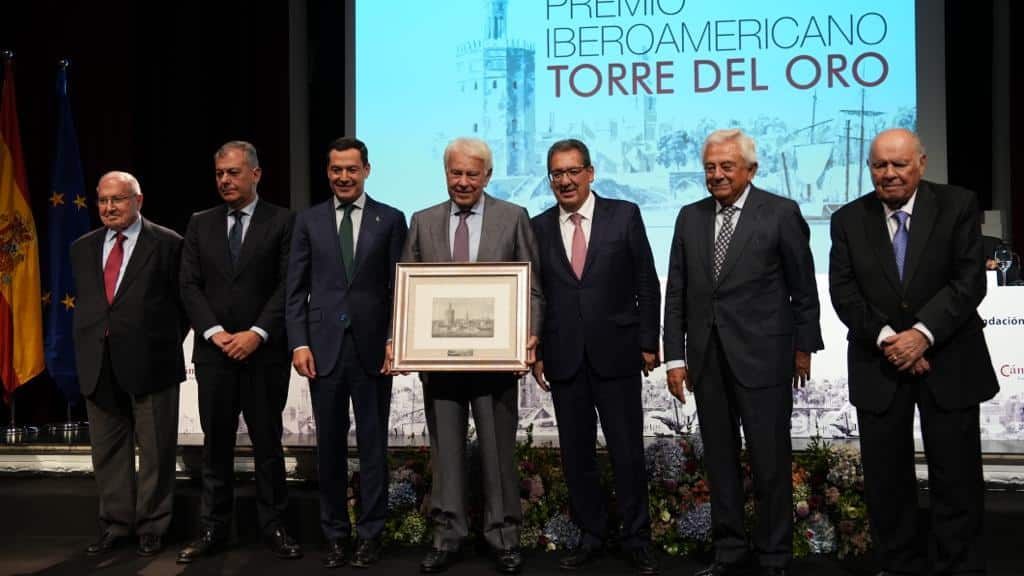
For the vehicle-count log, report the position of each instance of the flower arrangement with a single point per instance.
(829, 513)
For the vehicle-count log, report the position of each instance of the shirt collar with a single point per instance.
(249, 208)
(359, 202)
(908, 207)
(738, 203)
(477, 208)
(586, 210)
(129, 233)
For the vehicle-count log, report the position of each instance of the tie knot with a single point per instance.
(901, 217)
(728, 211)
(576, 218)
(237, 215)
(347, 208)
(120, 238)
(464, 213)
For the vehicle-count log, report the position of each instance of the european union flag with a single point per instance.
(69, 219)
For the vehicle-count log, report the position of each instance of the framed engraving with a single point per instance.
(461, 317)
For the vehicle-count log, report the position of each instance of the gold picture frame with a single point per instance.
(461, 317)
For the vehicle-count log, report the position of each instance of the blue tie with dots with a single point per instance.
(899, 240)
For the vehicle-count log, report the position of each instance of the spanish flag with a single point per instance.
(21, 310)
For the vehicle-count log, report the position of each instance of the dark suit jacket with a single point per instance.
(505, 236)
(943, 283)
(612, 312)
(765, 302)
(144, 324)
(238, 297)
(321, 298)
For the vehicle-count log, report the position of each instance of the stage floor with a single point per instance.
(48, 522)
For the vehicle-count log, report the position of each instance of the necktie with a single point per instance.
(113, 267)
(899, 240)
(724, 235)
(579, 245)
(345, 238)
(235, 236)
(460, 251)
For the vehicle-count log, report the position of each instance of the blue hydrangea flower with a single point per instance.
(696, 524)
(665, 459)
(561, 532)
(401, 495)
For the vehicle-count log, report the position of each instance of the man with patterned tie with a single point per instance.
(906, 276)
(601, 329)
(474, 227)
(340, 285)
(232, 283)
(741, 322)
(128, 328)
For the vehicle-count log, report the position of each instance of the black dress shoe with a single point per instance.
(367, 553)
(510, 561)
(337, 553)
(578, 558)
(774, 571)
(438, 560)
(108, 542)
(207, 544)
(282, 545)
(149, 545)
(645, 562)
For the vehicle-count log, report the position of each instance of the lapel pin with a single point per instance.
(376, 219)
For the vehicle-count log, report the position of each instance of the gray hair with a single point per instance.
(746, 144)
(127, 181)
(248, 149)
(472, 147)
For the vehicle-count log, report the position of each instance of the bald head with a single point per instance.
(897, 161)
(119, 198)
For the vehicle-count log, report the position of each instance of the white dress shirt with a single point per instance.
(568, 229)
(892, 225)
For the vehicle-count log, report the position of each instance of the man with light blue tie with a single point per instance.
(906, 276)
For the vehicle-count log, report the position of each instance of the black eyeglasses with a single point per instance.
(556, 175)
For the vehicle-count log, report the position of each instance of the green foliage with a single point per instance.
(828, 497)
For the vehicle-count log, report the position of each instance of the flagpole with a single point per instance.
(13, 433)
(69, 427)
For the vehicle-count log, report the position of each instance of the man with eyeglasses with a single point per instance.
(741, 322)
(472, 226)
(906, 276)
(601, 329)
(232, 283)
(128, 328)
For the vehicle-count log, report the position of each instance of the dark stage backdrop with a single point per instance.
(155, 88)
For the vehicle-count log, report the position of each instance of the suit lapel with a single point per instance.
(491, 230)
(877, 233)
(705, 243)
(743, 230)
(921, 223)
(367, 234)
(598, 227)
(218, 239)
(328, 226)
(553, 225)
(254, 235)
(144, 246)
(96, 256)
(439, 230)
